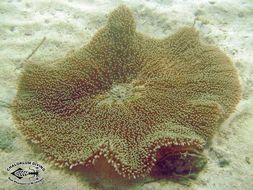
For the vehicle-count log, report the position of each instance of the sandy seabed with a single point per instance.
(69, 24)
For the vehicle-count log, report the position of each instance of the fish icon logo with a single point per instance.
(20, 173)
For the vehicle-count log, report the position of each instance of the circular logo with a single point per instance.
(25, 173)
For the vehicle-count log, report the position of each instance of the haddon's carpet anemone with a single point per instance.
(129, 98)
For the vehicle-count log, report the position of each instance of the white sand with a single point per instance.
(68, 24)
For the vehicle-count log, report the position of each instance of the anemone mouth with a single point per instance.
(121, 93)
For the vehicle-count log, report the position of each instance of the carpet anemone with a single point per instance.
(144, 106)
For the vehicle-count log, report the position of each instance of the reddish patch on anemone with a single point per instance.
(170, 161)
(175, 162)
(102, 172)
